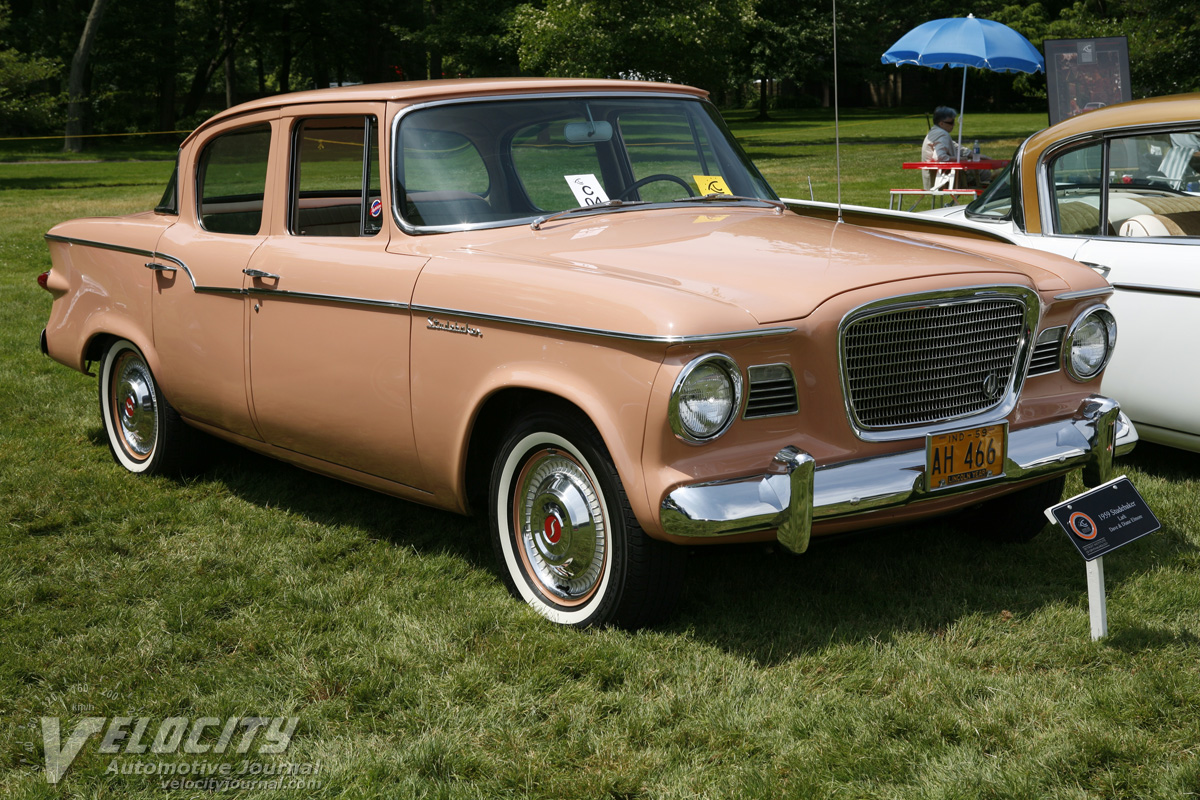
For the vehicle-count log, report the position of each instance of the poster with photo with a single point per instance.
(1085, 74)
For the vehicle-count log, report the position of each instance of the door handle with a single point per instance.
(154, 265)
(258, 273)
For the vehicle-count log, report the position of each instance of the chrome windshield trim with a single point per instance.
(608, 334)
(424, 230)
(1080, 295)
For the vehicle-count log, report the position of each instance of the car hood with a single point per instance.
(773, 267)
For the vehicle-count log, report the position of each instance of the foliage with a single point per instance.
(167, 64)
(29, 100)
(686, 41)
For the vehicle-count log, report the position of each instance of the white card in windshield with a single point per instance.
(587, 190)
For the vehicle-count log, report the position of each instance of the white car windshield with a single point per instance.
(505, 162)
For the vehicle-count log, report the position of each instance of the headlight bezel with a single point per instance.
(1104, 315)
(733, 375)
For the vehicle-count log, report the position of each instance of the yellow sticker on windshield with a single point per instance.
(711, 184)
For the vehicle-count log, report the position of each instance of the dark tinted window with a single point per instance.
(232, 179)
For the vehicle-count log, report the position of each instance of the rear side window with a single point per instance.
(1078, 184)
(335, 178)
(169, 204)
(232, 179)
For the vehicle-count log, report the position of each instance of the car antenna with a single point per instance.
(810, 191)
(837, 139)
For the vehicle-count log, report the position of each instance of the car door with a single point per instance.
(1149, 249)
(329, 320)
(199, 305)
(1156, 301)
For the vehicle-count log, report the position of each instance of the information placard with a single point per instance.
(1105, 518)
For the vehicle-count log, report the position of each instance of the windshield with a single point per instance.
(996, 202)
(507, 162)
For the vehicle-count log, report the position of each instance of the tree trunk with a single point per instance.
(229, 65)
(763, 116)
(73, 143)
(166, 65)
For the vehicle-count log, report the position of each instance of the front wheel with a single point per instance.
(145, 434)
(563, 531)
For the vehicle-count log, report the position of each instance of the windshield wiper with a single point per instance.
(717, 197)
(607, 205)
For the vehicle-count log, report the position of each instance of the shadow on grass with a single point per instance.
(758, 601)
(1168, 463)
(268, 483)
(769, 606)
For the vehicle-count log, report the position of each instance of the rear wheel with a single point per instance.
(144, 432)
(565, 537)
(1016, 517)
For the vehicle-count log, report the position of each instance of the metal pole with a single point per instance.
(961, 103)
(1097, 603)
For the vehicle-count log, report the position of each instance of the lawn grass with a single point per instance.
(916, 663)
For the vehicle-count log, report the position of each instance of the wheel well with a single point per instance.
(491, 423)
(96, 347)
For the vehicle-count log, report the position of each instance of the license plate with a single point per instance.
(975, 454)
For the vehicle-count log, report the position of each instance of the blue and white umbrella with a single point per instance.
(966, 42)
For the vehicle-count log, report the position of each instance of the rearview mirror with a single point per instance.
(587, 132)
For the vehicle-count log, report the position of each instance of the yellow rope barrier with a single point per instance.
(88, 136)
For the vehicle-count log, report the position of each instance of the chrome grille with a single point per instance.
(929, 363)
(1047, 353)
(772, 391)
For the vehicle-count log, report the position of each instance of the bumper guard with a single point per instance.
(794, 492)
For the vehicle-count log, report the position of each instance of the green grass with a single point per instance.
(797, 146)
(917, 663)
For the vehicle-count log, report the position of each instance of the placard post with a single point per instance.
(1097, 602)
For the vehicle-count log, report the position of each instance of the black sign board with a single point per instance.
(1107, 517)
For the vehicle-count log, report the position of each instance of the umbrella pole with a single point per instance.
(961, 103)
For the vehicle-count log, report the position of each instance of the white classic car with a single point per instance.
(1136, 166)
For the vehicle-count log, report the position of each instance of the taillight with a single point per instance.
(44, 280)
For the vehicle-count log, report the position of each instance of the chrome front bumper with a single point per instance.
(794, 492)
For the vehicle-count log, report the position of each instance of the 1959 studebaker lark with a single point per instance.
(576, 307)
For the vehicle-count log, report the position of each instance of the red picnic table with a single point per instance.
(944, 187)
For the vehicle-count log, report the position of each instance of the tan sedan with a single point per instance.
(577, 308)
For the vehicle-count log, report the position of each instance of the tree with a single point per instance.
(25, 100)
(75, 82)
(690, 41)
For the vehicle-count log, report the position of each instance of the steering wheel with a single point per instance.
(661, 176)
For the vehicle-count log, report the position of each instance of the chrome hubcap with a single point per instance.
(134, 405)
(560, 525)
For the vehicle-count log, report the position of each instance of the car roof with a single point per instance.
(1136, 113)
(421, 91)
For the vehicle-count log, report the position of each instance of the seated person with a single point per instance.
(939, 146)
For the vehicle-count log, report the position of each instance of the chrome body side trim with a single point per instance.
(327, 298)
(698, 338)
(433, 310)
(1080, 295)
(1011, 392)
(792, 493)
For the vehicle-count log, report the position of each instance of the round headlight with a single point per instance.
(1090, 343)
(706, 398)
